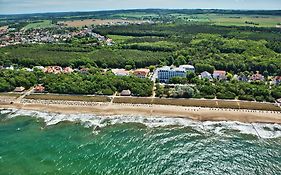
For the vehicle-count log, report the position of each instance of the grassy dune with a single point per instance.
(68, 97)
(200, 103)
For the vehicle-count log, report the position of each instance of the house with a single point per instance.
(126, 93)
(188, 68)
(53, 69)
(219, 74)
(84, 70)
(109, 42)
(277, 80)
(141, 73)
(28, 69)
(257, 77)
(206, 75)
(67, 70)
(243, 78)
(19, 89)
(120, 72)
(39, 89)
(166, 73)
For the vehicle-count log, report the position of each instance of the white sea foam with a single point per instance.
(89, 120)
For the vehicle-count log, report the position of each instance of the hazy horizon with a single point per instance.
(51, 6)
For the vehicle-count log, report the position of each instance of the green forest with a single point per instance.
(76, 83)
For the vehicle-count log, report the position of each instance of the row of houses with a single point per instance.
(164, 74)
(49, 69)
(222, 75)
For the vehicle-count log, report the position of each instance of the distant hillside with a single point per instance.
(160, 12)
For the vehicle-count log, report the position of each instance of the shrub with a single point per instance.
(209, 96)
(226, 95)
(260, 98)
(246, 97)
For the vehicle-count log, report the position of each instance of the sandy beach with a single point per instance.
(195, 113)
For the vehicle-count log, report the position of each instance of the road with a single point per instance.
(28, 92)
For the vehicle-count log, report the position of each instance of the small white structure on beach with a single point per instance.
(19, 89)
(126, 93)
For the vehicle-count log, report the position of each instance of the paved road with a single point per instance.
(18, 100)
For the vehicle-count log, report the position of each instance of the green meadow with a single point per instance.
(41, 24)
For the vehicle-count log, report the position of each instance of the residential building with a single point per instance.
(141, 73)
(27, 69)
(68, 70)
(219, 74)
(277, 80)
(243, 78)
(53, 69)
(84, 70)
(257, 77)
(166, 73)
(39, 89)
(10, 68)
(188, 68)
(206, 75)
(120, 72)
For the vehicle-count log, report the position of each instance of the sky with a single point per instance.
(35, 6)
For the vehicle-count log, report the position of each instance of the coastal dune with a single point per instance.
(195, 113)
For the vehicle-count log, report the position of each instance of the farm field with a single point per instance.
(231, 20)
(42, 24)
(89, 22)
(120, 38)
(259, 21)
(137, 15)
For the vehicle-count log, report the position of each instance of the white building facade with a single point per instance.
(166, 73)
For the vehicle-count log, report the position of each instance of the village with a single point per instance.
(10, 37)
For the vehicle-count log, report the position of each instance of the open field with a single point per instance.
(137, 15)
(247, 21)
(89, 22)
(200, 103)
(231, 20)
(119, 38)
(68, 97)
(42, 24)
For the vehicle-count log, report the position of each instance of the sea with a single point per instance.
(33, 142)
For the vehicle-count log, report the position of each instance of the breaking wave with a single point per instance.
(89, 120)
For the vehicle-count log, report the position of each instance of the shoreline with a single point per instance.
(193, 113)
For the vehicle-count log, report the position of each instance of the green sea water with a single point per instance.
(28, 147)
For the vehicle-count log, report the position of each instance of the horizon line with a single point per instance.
(107, 10)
